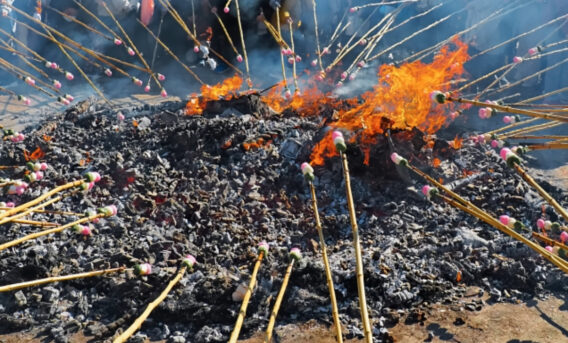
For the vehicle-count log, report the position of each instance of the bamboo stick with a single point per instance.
(281, 54)
(470, 208)
(63, 213)
(131, 43)
(174, 13)
(34, 223)
(318, 50)
(529, 129)
(151, 306)
(358, 256)
(58, 229)
(295, 255)
(29, 210)
(227, 35)
(191, 72)
(541, 191)
(548, 146)
(554, 259)
(539, 137)
(328, 275)
(263, 249)
(53, 279)
(249, 82)
(291, 27)
(508, 109)
(39, 199)
(76, 21)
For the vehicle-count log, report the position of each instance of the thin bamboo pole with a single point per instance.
(548, 146)
(138, 322)
(328, 275)
(246, 299)
(243, 46)
(358, 256)
(25, 212)
(508, 109)
(191, 72)
(291, 27)
(281, 54)
(131, 43)
(39, 199)
(318, 50)
(541, 191)
(48, 232)
(278, 302)
(34, 223)
(53, 279)
(62, 213)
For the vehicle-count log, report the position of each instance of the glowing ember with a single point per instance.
(226, 89)
(401, 96)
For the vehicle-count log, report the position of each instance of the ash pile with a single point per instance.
(217, 184)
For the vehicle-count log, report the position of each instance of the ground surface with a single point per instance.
(533, 321)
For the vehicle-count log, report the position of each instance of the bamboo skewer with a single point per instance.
(74, 46)
(24, 73)
(328, 275)
(318, 50)
(29, 210)
(262, 251)
(86, 26)
(281, 54)
(123, 337)
(414, 34)
(524, 34)
(554, 259)
(34, 223)
(539, 137)
(191, 72)
(529, 129)
(470, 208)
(548, 146)
(39, 199)
(291, 27)
(131, 43)
(97, 19)
(85, 76)
(341, 147)
(62, 213)
(541, 191)
(155, 51)
(174, 13)
(512, 67)
(358, 256)
(295, 255)
(53, 279)
(58, 229)
(249, 82)
(507, 109)
(227, 35)
(7, 67)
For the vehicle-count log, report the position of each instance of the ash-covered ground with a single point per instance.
(196, 184)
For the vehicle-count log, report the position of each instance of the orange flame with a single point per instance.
(400, 100)
(224, 90)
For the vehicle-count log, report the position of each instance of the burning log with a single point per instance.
(308, 172)
(340, 146)
(295, 255)
(262, 251)
(187, 263)
(53, 279)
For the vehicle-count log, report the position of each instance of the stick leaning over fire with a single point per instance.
(53, 279)
(262, 252)
(308, 172)
(295, 255)
(470, 208)
(340, 145)
(188, 262)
